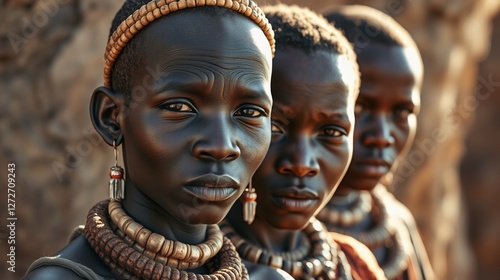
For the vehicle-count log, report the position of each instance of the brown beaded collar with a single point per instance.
(127, 263)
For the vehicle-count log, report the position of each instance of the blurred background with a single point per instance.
(51, 59)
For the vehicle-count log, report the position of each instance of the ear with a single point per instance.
(106, 106)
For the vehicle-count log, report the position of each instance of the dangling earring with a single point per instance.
(249, 205)
(116, 183)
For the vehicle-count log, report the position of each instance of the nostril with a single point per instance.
(205, 155)
(231, 157)
(312, 173)
(216, 156)
(285, 170)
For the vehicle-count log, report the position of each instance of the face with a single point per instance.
(311, 142)
(386, 109)
(198, 123)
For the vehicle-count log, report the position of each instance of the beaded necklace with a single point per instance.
(348, 216)
(128, 259)
(386, 232)
(319, 258)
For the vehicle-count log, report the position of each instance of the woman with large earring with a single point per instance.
(187, 100)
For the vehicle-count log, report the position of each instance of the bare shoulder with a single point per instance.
(52, 272)
(76, 256)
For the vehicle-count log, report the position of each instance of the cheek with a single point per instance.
(335, 166)
(254, 146)
(403, 135)
(266, 172)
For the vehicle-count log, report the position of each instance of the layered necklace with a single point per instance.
(133, 252)
(317, 258)
(387, 232)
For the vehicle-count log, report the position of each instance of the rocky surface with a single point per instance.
(51, 60)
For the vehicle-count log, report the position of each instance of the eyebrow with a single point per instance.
(404, 79)
(334, 115)
(284, 111)
(199, 87)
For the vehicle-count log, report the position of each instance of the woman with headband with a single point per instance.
(187, 95)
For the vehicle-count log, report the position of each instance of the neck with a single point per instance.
(149, 214)
(262, 234)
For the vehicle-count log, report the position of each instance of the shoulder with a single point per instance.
(395, 207)
(363, 263)
(52, 272)
(259, 271)
(410, 235)
(77, 258)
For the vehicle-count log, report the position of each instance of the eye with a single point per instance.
(276, 127)
(178, 107)
(249, 112)
(332, 131)
(358, 108)
(403, 112)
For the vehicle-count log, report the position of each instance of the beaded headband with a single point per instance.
(159, 8)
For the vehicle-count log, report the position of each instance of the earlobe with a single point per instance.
(105, 108)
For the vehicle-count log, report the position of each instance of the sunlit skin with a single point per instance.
(192, 134)
(208, 114)
(386, 112)
(311, 146)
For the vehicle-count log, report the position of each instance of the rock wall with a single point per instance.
(51, 57)
(480, 168)
(51, 60)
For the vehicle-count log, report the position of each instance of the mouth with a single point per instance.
(212, 188)
(374, 167)
(294, 199)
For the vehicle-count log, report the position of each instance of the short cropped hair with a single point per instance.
(308, 31)
(131, 56)
(363, 25)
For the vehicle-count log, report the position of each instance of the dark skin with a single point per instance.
(386, 112)
(309, 153)
(196, 134)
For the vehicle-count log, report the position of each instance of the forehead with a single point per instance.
(193, 33)
(311, 83)
(296, 70)
(378, 61)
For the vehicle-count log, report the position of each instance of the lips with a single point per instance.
(295, 199)
(373, 167)
(212, 187)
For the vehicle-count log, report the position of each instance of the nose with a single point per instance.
(299, 159)
(378, 133)
(218, 142)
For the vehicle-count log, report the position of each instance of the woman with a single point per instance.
(314, 85)
(187, 94)
(388, 102)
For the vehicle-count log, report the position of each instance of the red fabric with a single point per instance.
(363, 264)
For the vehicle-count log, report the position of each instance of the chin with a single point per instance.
(291, 222)
(364, 184)
(207, 215)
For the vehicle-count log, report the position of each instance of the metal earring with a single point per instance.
(116, 183)
(249, 204)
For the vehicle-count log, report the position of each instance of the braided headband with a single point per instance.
(158, 8)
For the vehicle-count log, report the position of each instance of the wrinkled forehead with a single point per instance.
(196, 32)
(391, 60)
